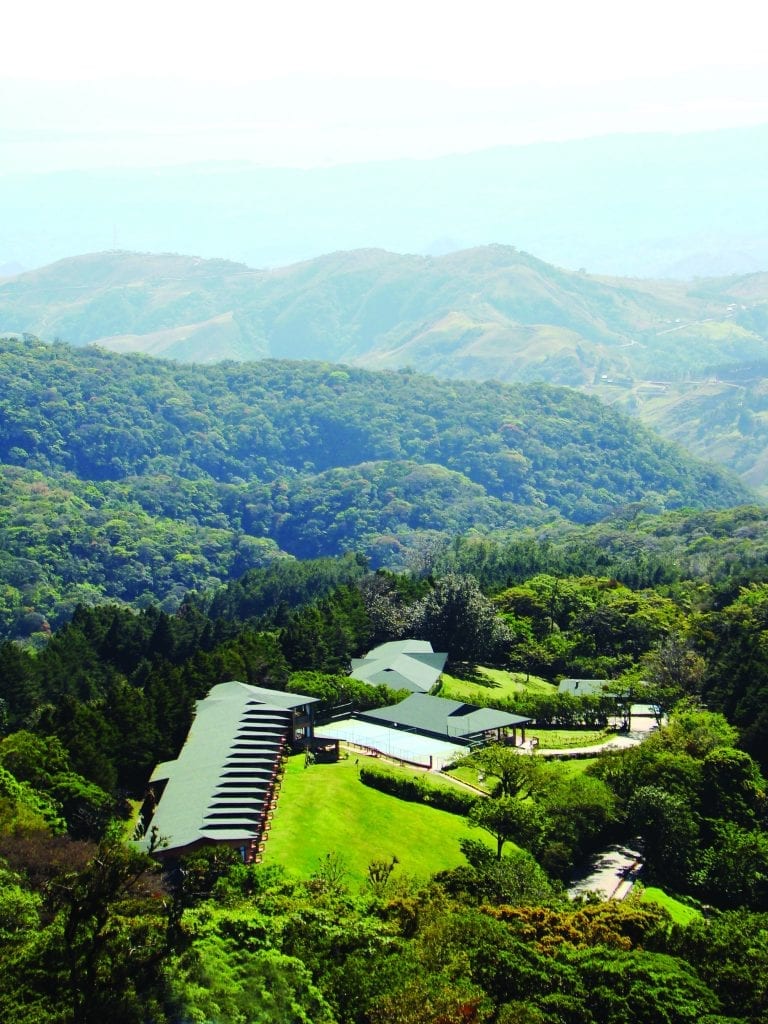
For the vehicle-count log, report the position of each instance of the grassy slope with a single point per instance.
(569, 739)
(325, 808)
(576, 766)
(680, 913)
(493, 683)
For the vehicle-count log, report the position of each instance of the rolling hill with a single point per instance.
(671, 353)
(489, 312)
(136, 478)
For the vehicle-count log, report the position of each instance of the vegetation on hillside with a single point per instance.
(108, 940)
(134, 479)
(92, 929)
(485, 312)
(131, 478)
(686, 358)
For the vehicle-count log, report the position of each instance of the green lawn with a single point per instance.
(470, 776)
(493, 683)
(569, 739)
(680, 913)
(325, 808)
(576, 765)
(571, 767)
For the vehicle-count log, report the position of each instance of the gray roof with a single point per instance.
(216, 788)
(439, 716)
(583, 687)
(401, 665)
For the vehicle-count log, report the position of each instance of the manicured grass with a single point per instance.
(326, 809)
(680, 913)
(569, 739)
(469, 775)
(572, 767)
(576, 765)
(494, 683)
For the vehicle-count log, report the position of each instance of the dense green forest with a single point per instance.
(192, 497)
(686, 358)
(93, 930)
(140, 480)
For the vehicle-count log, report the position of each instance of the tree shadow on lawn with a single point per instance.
(472, 674)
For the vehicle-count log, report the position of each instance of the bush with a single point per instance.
(417, 789)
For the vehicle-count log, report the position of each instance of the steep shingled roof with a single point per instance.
(401, 665)
(218, 786)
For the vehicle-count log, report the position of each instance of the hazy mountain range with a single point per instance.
(688, 358)
(638, 204)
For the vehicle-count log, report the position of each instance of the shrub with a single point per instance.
(418, 789)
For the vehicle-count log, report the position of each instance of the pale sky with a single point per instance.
(86, 83)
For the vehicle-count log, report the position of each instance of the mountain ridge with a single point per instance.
(345, 306)
(491, 312)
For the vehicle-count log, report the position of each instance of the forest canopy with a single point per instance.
(130, 478)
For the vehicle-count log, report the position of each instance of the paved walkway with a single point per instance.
(618, 742)
(610, 873)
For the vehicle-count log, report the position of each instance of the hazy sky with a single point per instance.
(86, 83)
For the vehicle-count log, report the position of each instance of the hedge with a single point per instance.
(418, 789)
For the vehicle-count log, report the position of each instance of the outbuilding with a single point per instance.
(401, 665)
(450, 719)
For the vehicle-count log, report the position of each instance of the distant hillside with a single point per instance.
(136, 477)
(644, 204)
(653, 347)
(723, 417)
(490, 312)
